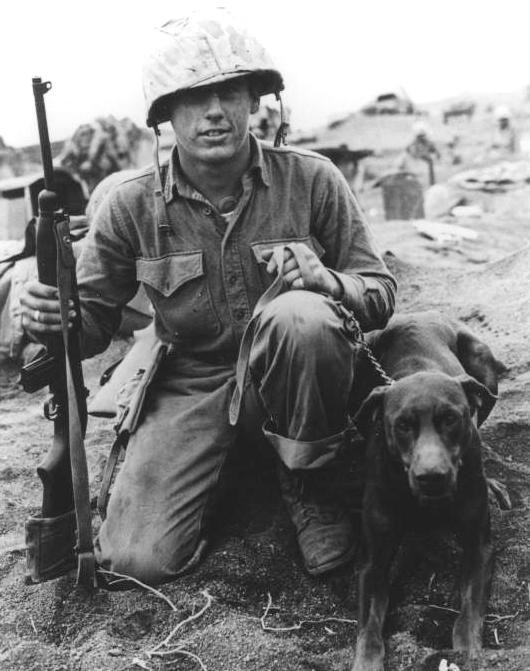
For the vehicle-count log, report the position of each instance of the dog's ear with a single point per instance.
(370, 409)
(478, 359)
(479, 396)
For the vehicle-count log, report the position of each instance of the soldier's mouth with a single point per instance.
(215, 132)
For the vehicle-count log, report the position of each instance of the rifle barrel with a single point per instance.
(39, 89)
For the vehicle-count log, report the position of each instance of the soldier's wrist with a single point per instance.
(336, 289)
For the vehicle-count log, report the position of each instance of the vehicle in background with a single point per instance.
(459, 108)
(389, 103)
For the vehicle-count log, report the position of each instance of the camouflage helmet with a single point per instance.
(199, 50)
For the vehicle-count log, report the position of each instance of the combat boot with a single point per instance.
(324, 531)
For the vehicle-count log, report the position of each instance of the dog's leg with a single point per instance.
(382, 534)
(477, 568)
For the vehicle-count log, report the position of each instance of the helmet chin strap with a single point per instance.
(281, 133)
(160, 201)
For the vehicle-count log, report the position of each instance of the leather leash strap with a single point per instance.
(351, 327)
(86, 565)
(270, 294)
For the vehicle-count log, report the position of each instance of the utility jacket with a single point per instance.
(204, 272)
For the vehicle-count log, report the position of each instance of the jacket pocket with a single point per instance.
(263, 245)
(178, 288)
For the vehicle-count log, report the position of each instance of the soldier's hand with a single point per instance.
(41, 313)
(304, 270)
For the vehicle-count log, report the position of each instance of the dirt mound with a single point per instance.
(494, 299)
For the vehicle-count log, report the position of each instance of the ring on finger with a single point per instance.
(36, 316)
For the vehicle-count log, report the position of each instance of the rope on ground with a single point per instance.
(122, 577)
(182, 623)
(181, 651)
(177, 649)
(490, 618)
(300, 623)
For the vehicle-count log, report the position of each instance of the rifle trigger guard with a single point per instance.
(51, 409)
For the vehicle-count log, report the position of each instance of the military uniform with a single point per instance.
(204, 272)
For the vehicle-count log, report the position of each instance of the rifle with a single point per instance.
(60, 538)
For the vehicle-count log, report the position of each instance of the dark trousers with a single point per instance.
(301, 376)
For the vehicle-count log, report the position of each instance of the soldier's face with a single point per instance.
(211, 123)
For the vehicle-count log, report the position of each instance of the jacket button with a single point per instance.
(207, 211)
(232, 279)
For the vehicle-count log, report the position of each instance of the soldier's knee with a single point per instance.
(151, 563)
(143, 566)
(301, 313)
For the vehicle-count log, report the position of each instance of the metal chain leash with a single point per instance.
(354, 331)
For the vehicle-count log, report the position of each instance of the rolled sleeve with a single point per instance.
(351, 253)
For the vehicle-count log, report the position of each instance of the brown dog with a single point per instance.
(424, 461)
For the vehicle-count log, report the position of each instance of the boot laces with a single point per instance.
(315, 500)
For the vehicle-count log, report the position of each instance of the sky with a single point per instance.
(335, 56)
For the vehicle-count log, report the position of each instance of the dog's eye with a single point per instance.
(403, 425)
(449, 418)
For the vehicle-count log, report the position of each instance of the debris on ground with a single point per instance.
(435, 230)
(498, 177)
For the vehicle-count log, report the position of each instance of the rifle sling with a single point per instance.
(66, 286)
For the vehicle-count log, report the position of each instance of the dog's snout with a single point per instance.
(433, 483)
(432, 473)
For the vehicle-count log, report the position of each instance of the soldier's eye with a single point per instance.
(229, 89)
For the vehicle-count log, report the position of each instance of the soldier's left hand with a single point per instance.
(303, 270)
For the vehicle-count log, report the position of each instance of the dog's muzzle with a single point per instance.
(433, 487)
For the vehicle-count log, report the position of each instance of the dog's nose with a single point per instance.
(433, 483)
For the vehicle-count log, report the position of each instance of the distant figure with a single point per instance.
(455, 158)
(348, 161)
(100, 148)
(505, 139)
(265, 123)
(423, 148)
(10, 162)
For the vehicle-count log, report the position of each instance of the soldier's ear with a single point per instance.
(370, 409)
(254, 104)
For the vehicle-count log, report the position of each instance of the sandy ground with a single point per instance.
(54, 626)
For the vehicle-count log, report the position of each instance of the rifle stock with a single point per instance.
(53, 545)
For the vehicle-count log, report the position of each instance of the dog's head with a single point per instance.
(428, 422)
